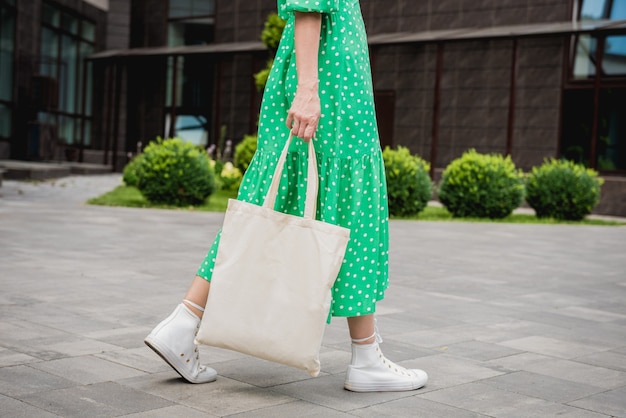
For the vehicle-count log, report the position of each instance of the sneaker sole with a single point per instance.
(378, 387)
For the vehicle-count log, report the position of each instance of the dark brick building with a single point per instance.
(529, 78)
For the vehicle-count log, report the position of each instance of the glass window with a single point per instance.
(577, 125)
(66, 129)
(614, 53)
(49, 52)
(51, 15)
(585, 59)
(69, 23)
(5, 121)
(191, 22)
(618, 11)
(188, 8)
(88, 31)
(614, 60)
(603, 9)
(7, 42)
(68, 78)
(66, 40)
(191, 128)
(85, 51)
(87, 131)
(191, 32)
(611, 147)
(179, 81)
(577, 128)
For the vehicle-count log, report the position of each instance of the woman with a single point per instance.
(320, 86)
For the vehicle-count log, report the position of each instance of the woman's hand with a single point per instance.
(305, 111)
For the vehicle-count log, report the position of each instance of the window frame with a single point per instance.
(80, 114)
(595, 83)
(190, 19)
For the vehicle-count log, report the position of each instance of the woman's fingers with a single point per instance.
(302, 127)
(289, 121)
(304, 115)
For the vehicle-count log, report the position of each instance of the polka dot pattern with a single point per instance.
(352, 191)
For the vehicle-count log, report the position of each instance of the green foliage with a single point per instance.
(272, 32)
(230, 177)
(482, 186)
(131, 171)
(260, 78)
(562, 189)
(409, 187)
(175, 172)
(244, 151)
(270, 36)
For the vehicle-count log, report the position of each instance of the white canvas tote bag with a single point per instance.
(271, 286)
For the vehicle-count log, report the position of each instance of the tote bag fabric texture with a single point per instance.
(271, 286)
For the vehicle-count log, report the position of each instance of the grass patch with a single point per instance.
(217, 202)
(131, 197)
(435, 213)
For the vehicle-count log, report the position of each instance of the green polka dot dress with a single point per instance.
(352, 190)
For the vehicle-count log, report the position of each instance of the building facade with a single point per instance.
(96, 80)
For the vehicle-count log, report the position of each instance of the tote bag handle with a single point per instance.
(311, 183)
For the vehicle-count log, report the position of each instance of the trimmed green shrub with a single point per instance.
(481, 186)
(272, 32)
(131, 171)
(409, 187)
(175, 172)
(230, 177)
(260, 78)
(244, 151)
(563, 189)
(270, 36)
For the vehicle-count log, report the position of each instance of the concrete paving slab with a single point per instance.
(574, 371)
(478, 350)
(11, 358)
(491, 311)
(608, 359)
(106, 399)
(294, 409)
(176, 411)
(141, 358)
(542, 386)
(327, 391)
(14, 408)
(414, 407)
(446, 371)
(494, 402)
(222, 398)
(612, 402)
(21, 380)
(553, 347)
(87, 370)
(261, 373)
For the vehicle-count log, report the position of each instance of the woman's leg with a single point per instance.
(197, 294)
(362, 327)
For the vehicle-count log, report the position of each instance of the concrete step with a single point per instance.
(31, 170)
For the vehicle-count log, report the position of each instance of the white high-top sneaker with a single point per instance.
(173, 340)
(370, 371)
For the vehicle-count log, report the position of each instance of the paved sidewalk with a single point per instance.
(508, 320)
